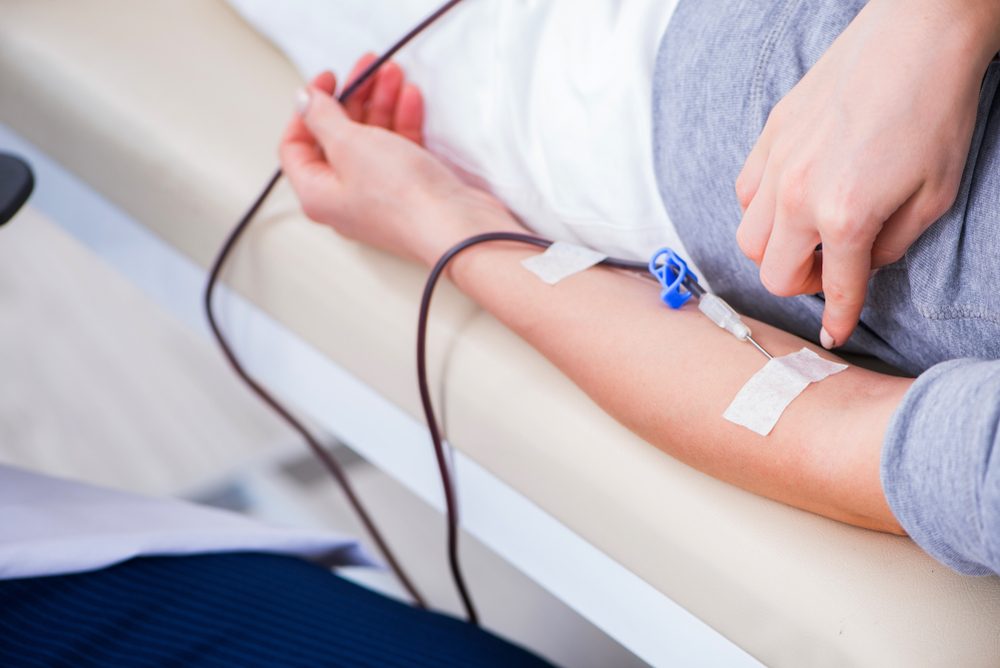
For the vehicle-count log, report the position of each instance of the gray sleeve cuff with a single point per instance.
(938, 469)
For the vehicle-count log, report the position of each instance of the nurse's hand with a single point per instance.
(867, 151)
(361, 169)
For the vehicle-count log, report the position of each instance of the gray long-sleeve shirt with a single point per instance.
(941, 464)
(715, 85)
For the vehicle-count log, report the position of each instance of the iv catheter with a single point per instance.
(680, 285)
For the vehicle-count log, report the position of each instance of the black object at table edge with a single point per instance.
(16, 184)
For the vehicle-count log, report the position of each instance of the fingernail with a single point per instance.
(826, 339)
(302, 99)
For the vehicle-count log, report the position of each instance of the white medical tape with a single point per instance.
(761, 402)
(562, 260)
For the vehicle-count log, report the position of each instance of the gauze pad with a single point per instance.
(561, 260)
(764, 398)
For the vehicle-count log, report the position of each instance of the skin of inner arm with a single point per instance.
(608, 331)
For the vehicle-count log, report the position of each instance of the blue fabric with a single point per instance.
(245, 610)
(722, 67)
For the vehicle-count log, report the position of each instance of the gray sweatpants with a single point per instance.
(722, 66)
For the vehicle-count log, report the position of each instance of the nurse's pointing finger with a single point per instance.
(846, 271)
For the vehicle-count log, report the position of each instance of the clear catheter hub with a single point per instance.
(680, 285)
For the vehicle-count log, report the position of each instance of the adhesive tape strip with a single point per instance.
(561, 260)
(762, 401)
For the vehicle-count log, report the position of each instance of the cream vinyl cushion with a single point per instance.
(172, 109)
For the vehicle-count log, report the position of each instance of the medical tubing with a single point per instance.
(447, 483)
(208, 302)
(695, 288)
(318, 450)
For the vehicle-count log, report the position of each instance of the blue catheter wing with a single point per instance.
(672, 272)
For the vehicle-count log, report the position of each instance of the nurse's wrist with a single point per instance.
(971, 27)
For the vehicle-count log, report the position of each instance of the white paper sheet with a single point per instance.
(50, 526)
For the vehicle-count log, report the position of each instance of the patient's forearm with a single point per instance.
(669, 376)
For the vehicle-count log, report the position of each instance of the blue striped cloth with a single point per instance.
(229, 610)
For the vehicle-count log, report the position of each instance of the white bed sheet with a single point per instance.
(546, 102)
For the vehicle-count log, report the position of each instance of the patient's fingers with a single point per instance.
(382, 106)
(356, 104)
(409, 119)
(328, 122)
(304, 162)
(297, 130)
(325, 81)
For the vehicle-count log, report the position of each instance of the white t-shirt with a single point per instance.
(548, 103)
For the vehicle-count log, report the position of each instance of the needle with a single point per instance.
(760, 348)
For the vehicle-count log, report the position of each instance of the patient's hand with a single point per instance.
(361, 169)
(867, 151)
